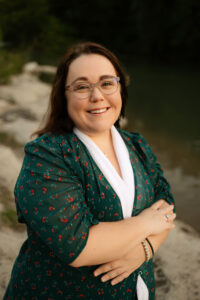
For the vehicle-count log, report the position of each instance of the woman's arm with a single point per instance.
(112, 240)
(158, 239)
(118, 270)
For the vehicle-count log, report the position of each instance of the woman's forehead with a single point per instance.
(90, 66)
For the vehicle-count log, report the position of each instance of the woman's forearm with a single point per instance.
(158, 239)
(110, 240)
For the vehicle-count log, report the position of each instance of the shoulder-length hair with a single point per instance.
(58, 119)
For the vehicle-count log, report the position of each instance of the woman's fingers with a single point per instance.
(166, 209)
(112, 274)
(165, 203)
(158, 204)
(106, 268)
(170, 217)
(102, 269)
(120, 278)
(161, 204)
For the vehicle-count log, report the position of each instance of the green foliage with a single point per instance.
(11, 63)
(29, 25)
(51, 43)
(46, 77)
(159, 30)
(22, 21)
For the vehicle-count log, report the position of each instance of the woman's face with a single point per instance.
(98, 112)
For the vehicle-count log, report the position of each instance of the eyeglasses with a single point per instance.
(83, 89)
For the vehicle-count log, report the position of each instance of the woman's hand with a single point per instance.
(119, 269)
(158, 217)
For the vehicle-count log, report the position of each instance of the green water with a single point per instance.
(164, 105)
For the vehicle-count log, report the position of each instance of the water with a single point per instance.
(164, 105)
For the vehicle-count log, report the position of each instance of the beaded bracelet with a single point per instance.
(152, 250)
(146, 251)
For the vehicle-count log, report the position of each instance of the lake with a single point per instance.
(164, 105)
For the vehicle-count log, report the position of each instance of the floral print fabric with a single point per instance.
(60, 193)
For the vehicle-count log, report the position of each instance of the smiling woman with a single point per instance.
(93, 197)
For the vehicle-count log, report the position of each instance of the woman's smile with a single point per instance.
(98, 111)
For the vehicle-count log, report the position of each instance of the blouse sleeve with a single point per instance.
(50, 199)
(160, 183)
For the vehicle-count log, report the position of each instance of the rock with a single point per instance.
(6, 105)
(178, 265)
(10, 243)
(28, 92)
(10, 167)
(47, 69)
(31, 67)
(13, 114)
(21, 129)
(123, 122)
(34, 68)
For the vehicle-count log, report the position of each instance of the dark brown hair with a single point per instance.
(58, 120)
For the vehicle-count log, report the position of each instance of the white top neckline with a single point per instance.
(125, 186)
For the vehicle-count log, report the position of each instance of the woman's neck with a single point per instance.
(102, 139)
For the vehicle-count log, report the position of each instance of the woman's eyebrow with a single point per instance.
(80, 78)
(86, 79)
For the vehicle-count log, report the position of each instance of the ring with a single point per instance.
(167, 217)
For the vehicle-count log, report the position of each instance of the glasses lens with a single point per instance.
(81, 89)
(108, 85)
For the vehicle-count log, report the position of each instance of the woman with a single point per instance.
(93, 197)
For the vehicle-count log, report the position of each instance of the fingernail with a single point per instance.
(103, 279)
(95, 274)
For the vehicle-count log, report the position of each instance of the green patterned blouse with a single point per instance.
(60, 193)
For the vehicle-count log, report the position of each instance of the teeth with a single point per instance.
(98, 111)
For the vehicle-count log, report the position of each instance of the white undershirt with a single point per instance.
(124, 186)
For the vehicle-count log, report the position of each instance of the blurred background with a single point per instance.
(158, 43)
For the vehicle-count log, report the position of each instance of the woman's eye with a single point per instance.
(81, 87)
(107, 83)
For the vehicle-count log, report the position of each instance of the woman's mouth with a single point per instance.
(98, 111)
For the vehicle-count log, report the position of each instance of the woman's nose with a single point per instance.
(96, 95)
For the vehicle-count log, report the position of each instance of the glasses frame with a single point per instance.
(93, 85)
